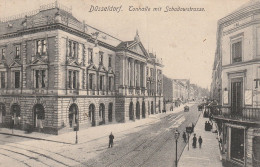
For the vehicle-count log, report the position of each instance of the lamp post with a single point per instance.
(176, 135)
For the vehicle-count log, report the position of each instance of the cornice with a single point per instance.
(254, 61)
(57, 26)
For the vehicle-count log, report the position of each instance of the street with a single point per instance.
(149, 144)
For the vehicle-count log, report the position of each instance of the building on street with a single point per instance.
(237, 62)
(57, 72)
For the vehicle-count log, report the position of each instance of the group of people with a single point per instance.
(208, 126)
(194, 140)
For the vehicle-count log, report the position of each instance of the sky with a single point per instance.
(186, 41)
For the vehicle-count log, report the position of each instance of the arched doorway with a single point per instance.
(110, 112)
(73, 115)
(38, 115)
(102, 113)
(143, 109)
(159, 106)
(2, 112)
(152, 107)
(137, 110)
(91, 114)
(16, 113)
(131, 112)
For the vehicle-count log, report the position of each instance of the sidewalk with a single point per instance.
(208, 155)
(93, 133)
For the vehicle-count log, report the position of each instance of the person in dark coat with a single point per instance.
(111, 138)
(192, 127)
(200, 141)
(184, 137)
(194, 141)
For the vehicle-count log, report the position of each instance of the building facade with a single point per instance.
(238, 54)
(58, 73)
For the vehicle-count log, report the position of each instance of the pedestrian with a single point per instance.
(194, 141)
(192, 127)
(111, 138)
(184, 137)
(200, 141)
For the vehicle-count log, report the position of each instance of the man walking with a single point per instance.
(184, 137)
(200, 141)
(194, 141)
(111, 138)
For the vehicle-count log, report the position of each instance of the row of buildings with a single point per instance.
(235, 86)
(181, 90)
(57, 72)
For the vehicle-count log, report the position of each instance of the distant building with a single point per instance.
(235, 83)
(57, 72)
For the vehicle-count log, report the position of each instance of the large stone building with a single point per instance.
(58, 72)
(237, 60)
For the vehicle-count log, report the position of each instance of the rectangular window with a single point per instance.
(74, 79)
(43, 78)
(101, 58)
(90, 54)
(110, 83)
(109, 61)
(40, 78)
(70, 49)
(237, 52)
(70, 82)
(2, 79)
(90, 81)
(17, 52)
(101, 82)
(41, 47)
(75, 50)
(151, 72)
(37, 78)
(3, 53)
(147, 71)
(17, 79)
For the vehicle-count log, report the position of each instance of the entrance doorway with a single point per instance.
(73, 115)
(152, 107)
(137, 110)
(102, 113)
(2, 112)
(91, 114)
(38, 116)
(16, 113)
(110, 112)
(143, 109)
(131, 112)
(236, 96)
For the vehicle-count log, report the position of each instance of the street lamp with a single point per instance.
(176, 136)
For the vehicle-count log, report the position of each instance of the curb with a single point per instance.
(36, 138)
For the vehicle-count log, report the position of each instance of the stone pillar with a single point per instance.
(138, 74)
(132, 73)
(126, 71)
(144, 76)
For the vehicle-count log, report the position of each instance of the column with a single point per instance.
(144, 75)
(126, 71)
(132, 73)
(139, 74)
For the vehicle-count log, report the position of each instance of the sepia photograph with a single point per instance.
(129, 83)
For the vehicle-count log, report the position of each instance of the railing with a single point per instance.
(34, 12)
(243, 114)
